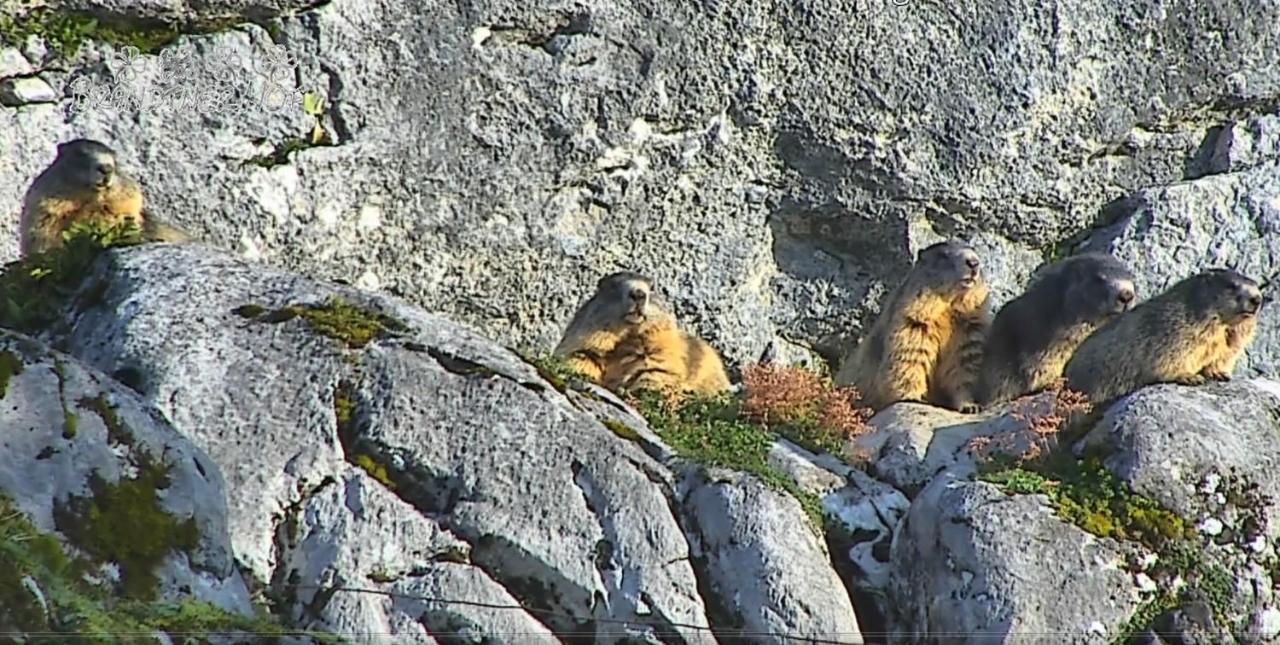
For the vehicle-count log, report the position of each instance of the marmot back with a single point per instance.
(1035, 334)
(926, 344)
(84, 184)
(1195, 330)
(623, 337)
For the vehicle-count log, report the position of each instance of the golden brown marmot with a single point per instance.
(1195, 330)
(84, 184)
(623, 338)
(926, 344)
(1035, 334)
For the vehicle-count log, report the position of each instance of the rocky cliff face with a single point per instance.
(772, 166)
(381, 464)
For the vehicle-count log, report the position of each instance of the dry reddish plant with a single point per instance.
(1039, 429)
(803, 405)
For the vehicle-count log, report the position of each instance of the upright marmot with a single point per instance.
(623, 338)
(84, 184)
(926, 344)
(1035, 334)
(1196, 330)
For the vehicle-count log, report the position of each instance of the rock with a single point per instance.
(1208, 453)
(970, 559)
(13, 63)
(379, 565)
(1226, 220)
(911, 443)
(765, 560)
(549, 144)
(558, 511)
(25, 90)
(88, 459)
(1243, 144)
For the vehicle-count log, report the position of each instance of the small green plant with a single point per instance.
(314, 105)
(35, 289)
(10, 366)
(713, 431)
(554, 370)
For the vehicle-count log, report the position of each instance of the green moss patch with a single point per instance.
(35, 290)
(711, 431)
(1086, 494)
(353, 326)
(10, 366)
(123, 522)
(79, 608)
(66, 31)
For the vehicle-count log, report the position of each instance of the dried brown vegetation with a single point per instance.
(1041, 417)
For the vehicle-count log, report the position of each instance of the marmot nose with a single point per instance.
(972, 262)
(639, 295)
(1125, 296)
(1255, 301)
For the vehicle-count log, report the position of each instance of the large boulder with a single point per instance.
(974, 562)
(90, 462)
(774, 167)
(370, 445)
(1211, 455)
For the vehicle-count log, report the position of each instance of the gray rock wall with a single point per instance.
(772, 165)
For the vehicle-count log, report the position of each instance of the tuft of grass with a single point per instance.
(714, 432)
(804, 406)
(35, 289)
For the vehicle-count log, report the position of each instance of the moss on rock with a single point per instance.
(10, 366)
(43, 590)
(35, 289)
(353, 326)
(711, 431)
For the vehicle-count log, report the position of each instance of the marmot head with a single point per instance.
(627, 297)
(87, 163)
(1096, 285)
(1226, 293)
(950, 267)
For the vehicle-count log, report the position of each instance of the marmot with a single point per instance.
(84, 184)
(623, 338)
(1193, 331)
(926, 344)
(1035, 334)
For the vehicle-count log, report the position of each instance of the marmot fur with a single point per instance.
(926, 344)
(1035, 334)
(1194, 331)
(622, 337)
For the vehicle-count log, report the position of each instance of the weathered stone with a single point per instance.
(1242, 145)
(558, 510)
(13, 63)
(69, 436)
(366, 562)
(763, 558)
(1228, 220)
(25, 90)
(911, 443)
(1209, 453)
(971, 560)
(493, 162)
